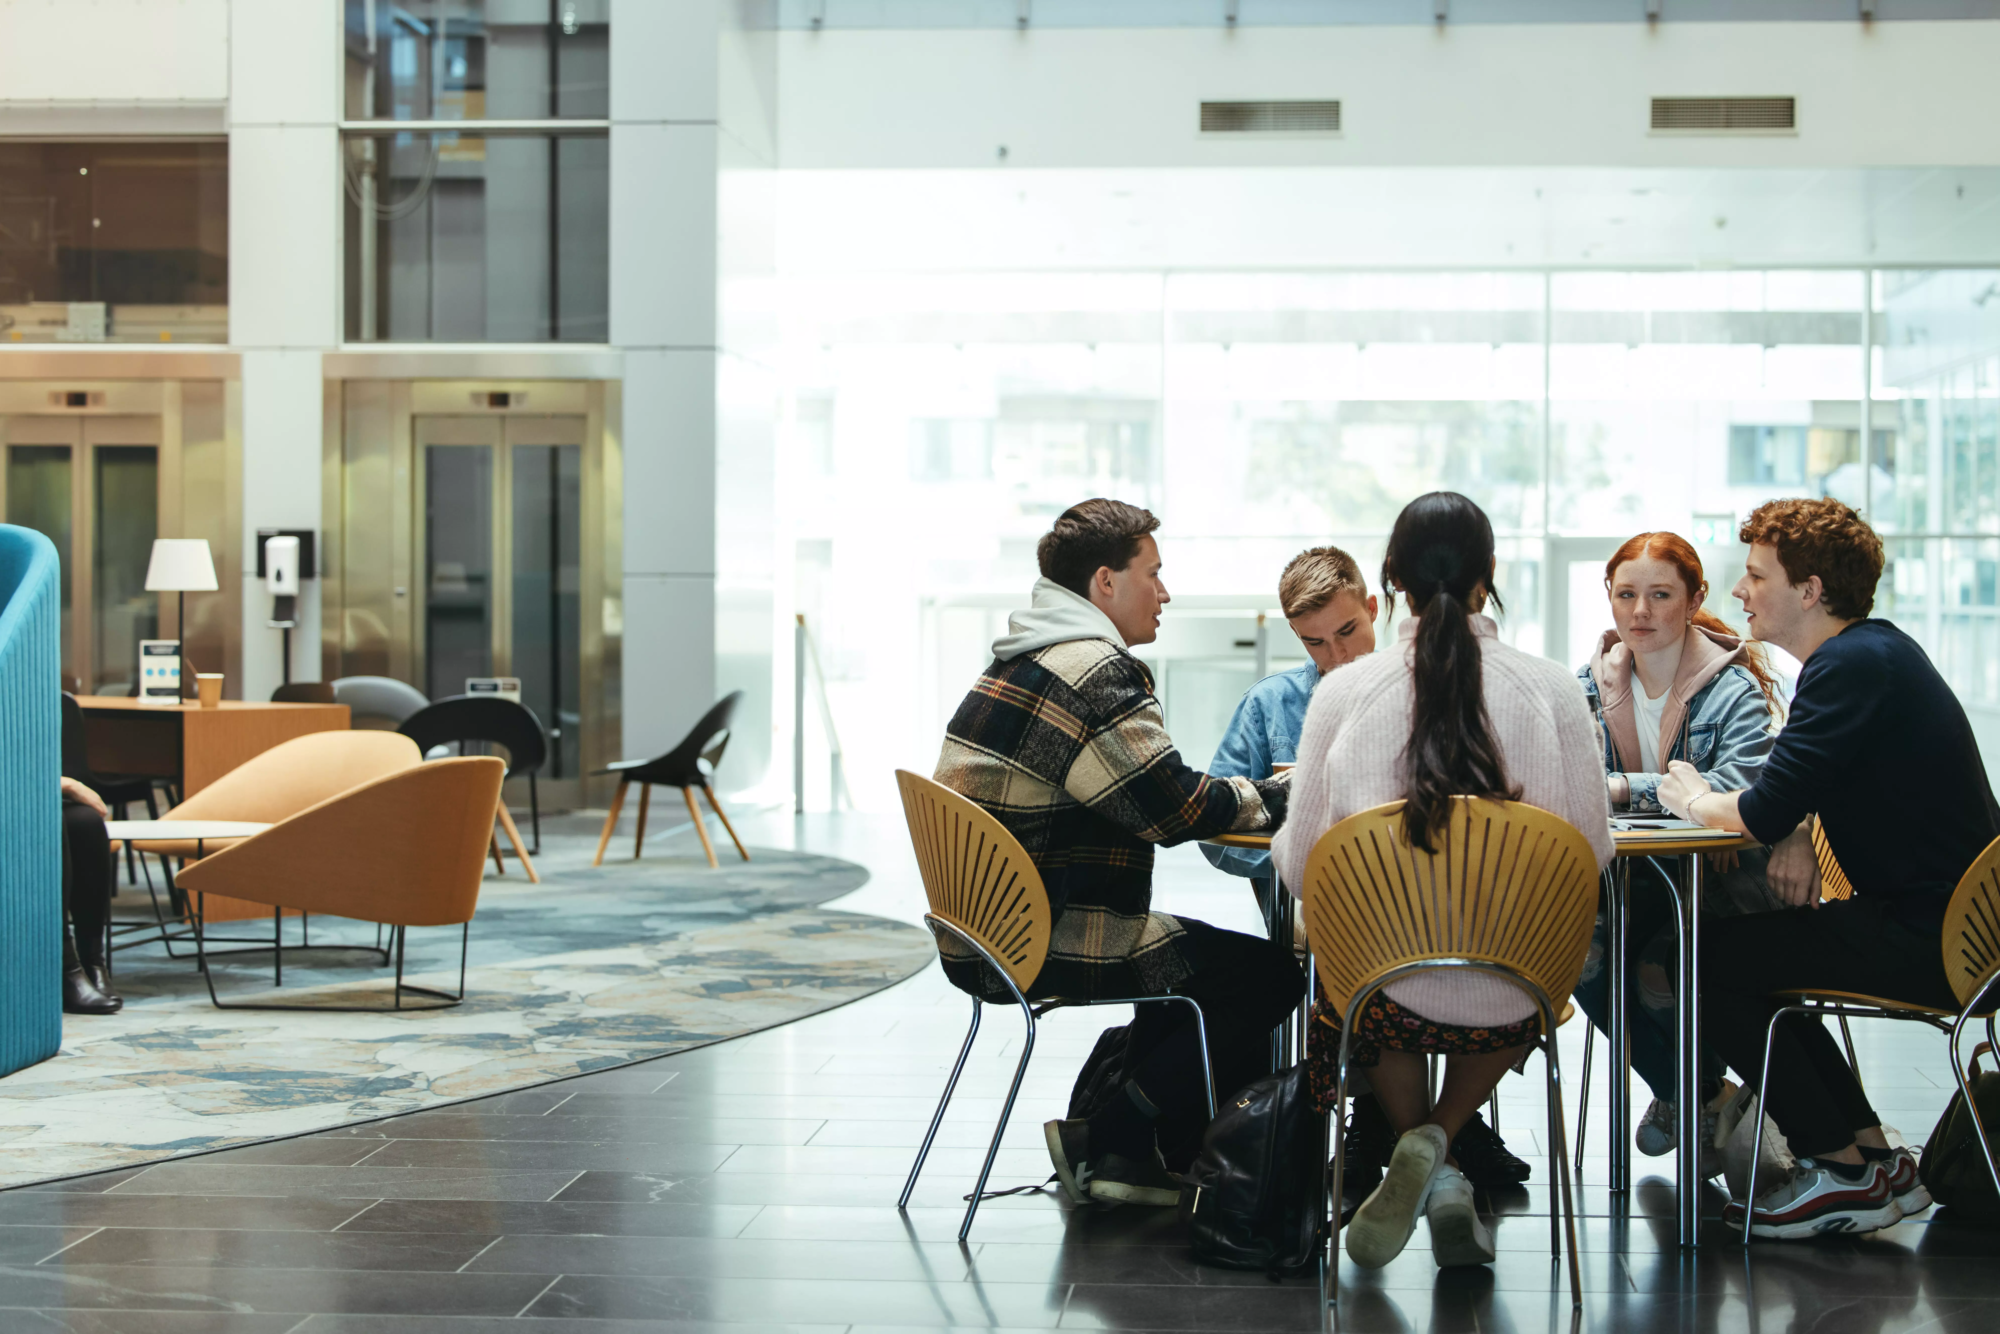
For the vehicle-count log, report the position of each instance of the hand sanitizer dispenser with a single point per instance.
(281, 576)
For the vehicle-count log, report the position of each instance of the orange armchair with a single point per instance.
(405, 850)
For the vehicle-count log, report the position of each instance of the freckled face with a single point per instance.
(1649, 604)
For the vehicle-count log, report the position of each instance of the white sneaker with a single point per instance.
(1657, 1133)
(1387, 1219)
(1458, 1237)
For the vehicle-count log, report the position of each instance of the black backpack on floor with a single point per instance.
(1255, 1198)
(1953, 1168)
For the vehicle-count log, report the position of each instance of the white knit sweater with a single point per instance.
(1351, 758)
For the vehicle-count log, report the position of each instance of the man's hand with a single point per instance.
(76, 791)
(1794, 869)
(1681, 787)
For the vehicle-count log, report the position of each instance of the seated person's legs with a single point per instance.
(86, 912)
(1246, 986)
(1854, 945)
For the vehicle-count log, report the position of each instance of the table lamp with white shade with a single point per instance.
(181, 565)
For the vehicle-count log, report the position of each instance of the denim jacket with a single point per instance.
(1726, 732)
(1263, 731)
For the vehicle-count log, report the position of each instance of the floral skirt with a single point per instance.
(1383, 1023)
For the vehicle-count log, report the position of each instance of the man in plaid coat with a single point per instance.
(1062, 740)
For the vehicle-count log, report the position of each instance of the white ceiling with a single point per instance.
(1253, 218)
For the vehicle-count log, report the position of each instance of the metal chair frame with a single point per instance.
(1562, 1210)
(398, 935)
(1031, 1013)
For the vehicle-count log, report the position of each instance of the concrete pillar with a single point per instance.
(692, 97)
(284, 289)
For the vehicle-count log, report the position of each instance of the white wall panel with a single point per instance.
(284, 237)
(119, 51)
(284, 66)
(663, 59)
(663, 235)
(669, 661)
(1530, 94)
(670, 445)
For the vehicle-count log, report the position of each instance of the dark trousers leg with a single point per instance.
(86, 878)
(1245, 986)
(1851, 945)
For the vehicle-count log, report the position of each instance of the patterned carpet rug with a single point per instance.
(590, 969)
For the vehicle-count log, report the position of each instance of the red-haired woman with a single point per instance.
(1672, 682)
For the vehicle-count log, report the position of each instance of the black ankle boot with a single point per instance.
(81, 994)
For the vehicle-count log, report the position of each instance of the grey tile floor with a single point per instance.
(751, 1186)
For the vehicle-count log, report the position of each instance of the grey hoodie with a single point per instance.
(1054, 616)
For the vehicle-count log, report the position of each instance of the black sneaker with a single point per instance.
(1117, 1179)
(1484, 1157)
(1069, 1144)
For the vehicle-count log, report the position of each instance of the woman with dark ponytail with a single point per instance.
(1452, 712)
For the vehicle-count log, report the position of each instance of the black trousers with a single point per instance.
(86, 878)
(1856, 944)
(1245, 986)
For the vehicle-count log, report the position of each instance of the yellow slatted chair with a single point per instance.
(1511, 893)
(987, 901)
(1971, 944)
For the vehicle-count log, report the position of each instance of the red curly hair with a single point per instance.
(1824, 538)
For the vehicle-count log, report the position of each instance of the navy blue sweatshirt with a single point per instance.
(1878, 745)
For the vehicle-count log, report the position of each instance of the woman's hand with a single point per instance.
(1720, 862)
(1793, 872)
(1681, 788)
(77, 792)
(1620, 788)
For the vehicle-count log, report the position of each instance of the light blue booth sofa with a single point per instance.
(30, 801)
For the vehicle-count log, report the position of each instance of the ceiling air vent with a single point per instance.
(1270, 117)
(1726, 115)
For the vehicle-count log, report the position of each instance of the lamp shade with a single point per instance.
(180, 565)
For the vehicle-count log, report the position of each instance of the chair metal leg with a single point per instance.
(1757, 1141)
(1559, 1160)
(1583, 1096)
(1493, 1110)
(743, 851)
(1000, 1128)
(700, 827)
(1847, 1040)
(937, 1119)
(610, 821)
(535, 812)
(645, 804)
(1978, 1002)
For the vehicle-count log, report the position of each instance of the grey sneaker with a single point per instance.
(1458, 1237)
(1069, 1142)
(1656, 1135)
(1121, 1180)
(1386, 1219)
(1815, 1201)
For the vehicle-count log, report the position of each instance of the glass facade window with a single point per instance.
(478, 59)
(465, 238)
(114, 242)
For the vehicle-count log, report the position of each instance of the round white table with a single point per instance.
(195, 831)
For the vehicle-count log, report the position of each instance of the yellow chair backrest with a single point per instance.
(1833, 882)
(1509, 884)
(1972, 926)
(978, 877)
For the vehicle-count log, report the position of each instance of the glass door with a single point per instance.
(92, 485)
(500, 506)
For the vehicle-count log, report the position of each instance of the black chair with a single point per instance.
(461, 720)
(687, 766)
(303, 692)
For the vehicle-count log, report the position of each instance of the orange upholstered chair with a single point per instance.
(402, 851)
(278, 784)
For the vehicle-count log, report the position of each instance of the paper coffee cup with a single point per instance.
(209, 684)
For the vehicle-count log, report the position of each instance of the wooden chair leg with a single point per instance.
(645, 802)
(725, 822)
(514, 837)
(694, 813)
(610, 822)
(493, 845)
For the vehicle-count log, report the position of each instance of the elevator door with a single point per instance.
(499, 502)
(92, 485)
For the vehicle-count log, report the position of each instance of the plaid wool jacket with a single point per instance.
(1067, 748)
